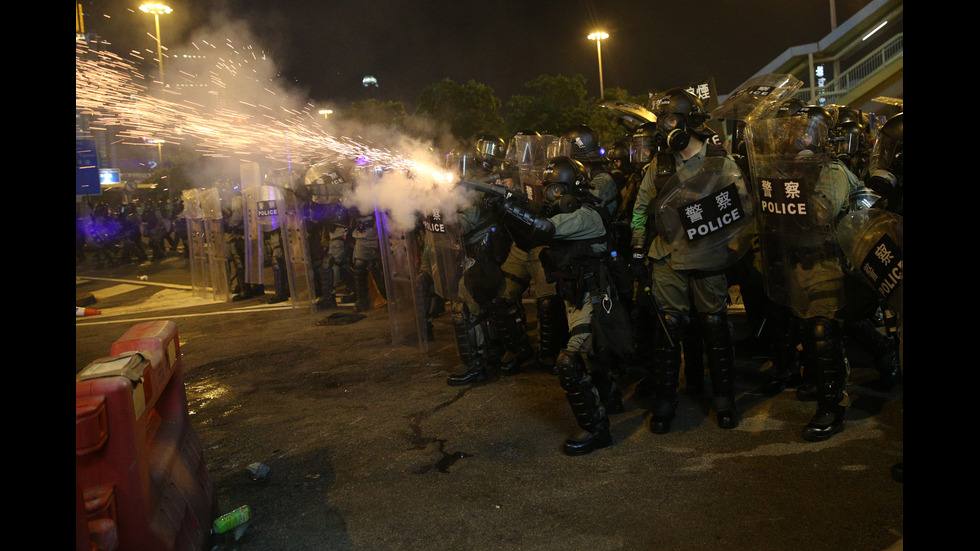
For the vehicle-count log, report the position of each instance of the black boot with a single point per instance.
(469, 344)
(361, 288)
(552, 329)
(784, 338)
(721, 364)
(882, 348)
(586, 405)
(824, 341)
(693, 354)
(605, 382)
(666, 370)
(280, 281)
(510, 326)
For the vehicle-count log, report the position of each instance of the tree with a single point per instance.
(552, 104)
(465, 110)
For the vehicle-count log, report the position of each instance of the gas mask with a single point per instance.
(558, 199)
(672, 131)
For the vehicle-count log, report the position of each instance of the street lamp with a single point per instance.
(599, 36)
(157, 10)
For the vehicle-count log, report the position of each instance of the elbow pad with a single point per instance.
(532, 229)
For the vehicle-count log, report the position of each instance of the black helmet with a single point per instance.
(679, 115)
(851, 143)
(565, 184)
(620, 151)
(584, 144)
(846, 114)
(788, 107)
(886, 156)
(821, 114)
(491, 149)
(644, 144)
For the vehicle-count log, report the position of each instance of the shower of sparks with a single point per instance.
(112, 93)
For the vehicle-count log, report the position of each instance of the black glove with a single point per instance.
(638, 264)
(493, 204)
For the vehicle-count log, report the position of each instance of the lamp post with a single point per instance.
(157, 10)
(599, 36)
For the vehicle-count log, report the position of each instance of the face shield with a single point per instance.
(642, 149)
(560, 147)
(848, 143)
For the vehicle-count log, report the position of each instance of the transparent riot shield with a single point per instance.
(444, 240)
(709, 218)
(531, 153)
(264, 212)
(400, 259)
(215, 244)
(197, 252)
(798, 200)
(630, 115)
(754, 97)
(872, 241)
(296, 248)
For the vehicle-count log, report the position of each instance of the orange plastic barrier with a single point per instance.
(139, 464)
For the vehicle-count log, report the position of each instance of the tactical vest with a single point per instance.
(666, 166)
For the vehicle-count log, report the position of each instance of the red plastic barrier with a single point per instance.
(138, 461)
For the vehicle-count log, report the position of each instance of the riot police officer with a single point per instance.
(485, 245)
(581, 143)
(578, 245)
(802, 192)
(522, 270)
(685, 286)
(885, 175)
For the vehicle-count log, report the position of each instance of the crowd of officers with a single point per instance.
(619, 281)
(134, 232)
(617, 285)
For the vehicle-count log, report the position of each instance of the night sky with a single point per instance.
(326, 47)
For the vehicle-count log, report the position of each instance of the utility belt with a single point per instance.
(572, 274)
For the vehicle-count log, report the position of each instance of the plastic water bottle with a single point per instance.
(231, 520)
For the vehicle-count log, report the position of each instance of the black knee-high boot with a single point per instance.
(721, 365)
(586, 405)
(826, 353)
(666, 371)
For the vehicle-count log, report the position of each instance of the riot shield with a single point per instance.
(400, 260)
(264, 212)
(530, 153)
(709, 218)
(296, 248)
(798, 199)
(754, 98)
(444, 240)
(216, 245)
(872, 241)
(197, 251)
(630, 115)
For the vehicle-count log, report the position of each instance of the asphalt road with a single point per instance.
(369, 449)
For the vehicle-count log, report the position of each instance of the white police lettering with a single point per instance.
(891, 280)
(883, 254)
(433, 227)
(791, 189)
(694, 212)
(772, 207)
(266, 208)
(711, 226)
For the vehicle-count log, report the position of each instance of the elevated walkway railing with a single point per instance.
(869, 66)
